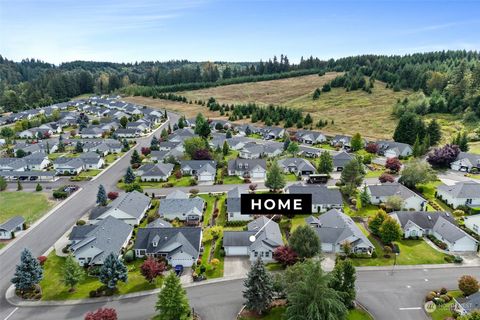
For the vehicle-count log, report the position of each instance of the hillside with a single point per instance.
(266, 92)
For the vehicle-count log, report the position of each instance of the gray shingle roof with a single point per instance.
(233, 199)
(341, 159)
(12, 223)
(391, 189)
(239, 164)
(449, 231)
(320, 194)
(270, 234)
(423, 219)
(108, 236)
(133, 203)
(177, 206)
(159, 223)
(470, 303)
(466, 189)
(169, 240)
(299, 164)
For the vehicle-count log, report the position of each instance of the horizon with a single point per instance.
(231, 31)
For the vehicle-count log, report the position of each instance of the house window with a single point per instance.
(267, 254)
(469, 201)
(413, 233)
(255, 254)
(475, 228)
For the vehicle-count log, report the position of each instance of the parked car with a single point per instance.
(179, 270)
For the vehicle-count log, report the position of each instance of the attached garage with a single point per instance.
(236, 251)
(327, 247)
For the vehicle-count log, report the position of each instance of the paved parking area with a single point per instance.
(236, 266)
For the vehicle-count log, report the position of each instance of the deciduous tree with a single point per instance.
(305, 242)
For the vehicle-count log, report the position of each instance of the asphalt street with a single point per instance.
(44, 235)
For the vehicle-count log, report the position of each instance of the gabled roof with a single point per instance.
(387, 144)
(12, 223)
(171, 206)
(341, 159)
(449, 231)
(269, 235)
(320, 194)
(424, 219)
(132, 203)
(336, 227)
(474, 159)
(108, 236)
(464, 189)
(298, 163)
(470, 303)
(197, 165)
(158, 169)
(159, 223)
(233, 199)
(391, 189)
(169, 240)
(239, 164)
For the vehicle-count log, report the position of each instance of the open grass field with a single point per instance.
(265, 92)
(189, 110)
(29, 205)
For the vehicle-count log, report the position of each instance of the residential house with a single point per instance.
(341, 141)
(179, 246)
(334, 229)
(310, 137)
(129, 207)
(158, 155)
(68, 166)
(155, 172)
(11, 226)
(203, 170)
(159, 223)
(439, 224)
(473, 223)
(91, 133)
(272, 133)
(92, 160)
(266, 237)
(380, 193)
(466, 162)
(392, 149)
(128, 133)
(297, 166)
(181, 134)
(323, 198)
(91, 245)
(246, 129)
(36, 161)
(251, 151)
(340, 160)
(465, 193)
(233, 205)
(466, 305)
(255, 169)
(12, 164)
(177, 205)
(310, 152)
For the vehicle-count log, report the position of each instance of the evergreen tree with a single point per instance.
(19, 186)
(123, 121)
(275, 179)
(112, 271)
(308, 119)
(101, 196)
(72, 273)
(417, 148)
(435, 132)
(293, 148)
(305, 242)
(79, 147)
(39, 187)
(343, 281)
(3, 184)
(172, 301)
(225, 148)
(125, 145)
(154, 143)
(325, 164)
(286, 141)
(316, 94)
(135, 160)
(365, 196)
(352, 176)
(356, 142)
(228, 134)
(463, 142)
(426, 143)
(309, 294)
(61, 144)
(28, 272)
(258, 288)
(164, 134)
(129, 176)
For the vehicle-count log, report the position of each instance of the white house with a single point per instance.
(10, 227)
(256, 169)
(466, 193)
(380, 193)
(233, 205)
(473, 223)
(466, 162)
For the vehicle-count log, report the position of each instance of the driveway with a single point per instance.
(236, 266)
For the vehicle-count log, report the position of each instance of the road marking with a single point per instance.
(426, 280)
(409, 286)
(410, 308)
(11, 313)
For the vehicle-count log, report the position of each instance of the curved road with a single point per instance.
(45, 234)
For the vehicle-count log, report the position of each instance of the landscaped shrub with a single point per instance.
(430, 296)
(42, 260)
(81, 222)
(443, 291)
(129, 256)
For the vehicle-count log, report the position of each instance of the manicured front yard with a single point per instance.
(54, 289)
(277, 314)
(109, 158)
(412, 252)
(89, 173)
(428, 191)
(366, 211)
(374, 173)
(443, 311)
(29, 205)
(210, 201)
(232, 180)
(290, 177)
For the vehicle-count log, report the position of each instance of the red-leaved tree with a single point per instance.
(385, 177)
(146, 151)
(152, 268)
(202, 154)
(112, 195)
(442, 157)
(102, 314)
(371, 147)
(393, 164)
(285, 255)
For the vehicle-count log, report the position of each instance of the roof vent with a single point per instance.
(429, 218)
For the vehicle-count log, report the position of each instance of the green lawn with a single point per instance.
(365, 211)
(233, 154)
(109, 158)
(2, 244)
(374, 173)
(210, 200)
(54, 289)
(89, 173)
(474, 147)
(443, 311)
(277, 314)
(428, 191)
(222, 211)
(232, 180)
(290, 177)
(412, 252)
(182, 182)
(29, 205)
(299, 220)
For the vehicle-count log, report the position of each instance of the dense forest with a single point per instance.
(445, 81)
(31, 83)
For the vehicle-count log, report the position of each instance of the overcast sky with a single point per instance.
(231, 30)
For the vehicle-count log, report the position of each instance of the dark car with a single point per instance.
(33, 178)
(179, 270)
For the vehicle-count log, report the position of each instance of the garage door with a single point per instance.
(236, 251)
(327, 247)
(257, 175)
